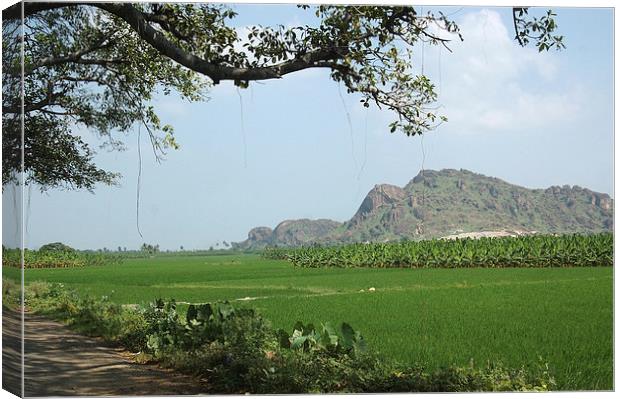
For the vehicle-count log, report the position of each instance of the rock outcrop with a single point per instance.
(380, 196)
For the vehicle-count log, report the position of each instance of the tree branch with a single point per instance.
(166, 24)
(16, 109)
(515, 10)
(75, 57)
(216, 72)
(139, 22)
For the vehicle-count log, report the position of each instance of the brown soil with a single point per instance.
(60, 362)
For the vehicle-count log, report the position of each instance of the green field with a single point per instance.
(432, 316)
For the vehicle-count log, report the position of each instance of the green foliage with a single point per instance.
(11, 293)
(280, 253)
(538, 29)
(203, 324)
(306, 338)
(149, 248)
(526, 251)
(56, 246)
(236, 350)
(227, 344)
(87, 69)
(57, 256)
(321, 371)
(325, 371)
(492, 377)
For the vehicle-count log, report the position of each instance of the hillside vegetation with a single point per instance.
(436, 204)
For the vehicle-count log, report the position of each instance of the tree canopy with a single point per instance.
(96, 66)
(56, 247)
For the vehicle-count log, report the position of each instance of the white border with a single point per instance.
(501, 3)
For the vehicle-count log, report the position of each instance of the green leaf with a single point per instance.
(348, 335)
(192, 313)
(297, 342)
(283, 339)
(299, 326)
(204, 312)
(225, 309)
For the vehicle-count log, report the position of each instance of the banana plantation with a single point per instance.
(524, 251)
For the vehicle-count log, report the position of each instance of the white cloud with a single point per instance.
(490, 84)
(172, 107)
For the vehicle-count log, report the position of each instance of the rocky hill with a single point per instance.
(290, 233)
(450, 203)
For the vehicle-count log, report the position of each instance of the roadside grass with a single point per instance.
(431, 316)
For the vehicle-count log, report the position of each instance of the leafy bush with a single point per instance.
(133, 332)
(307, 338)
(493, 377)
(11, 293)
(229, 345)
(321, 371)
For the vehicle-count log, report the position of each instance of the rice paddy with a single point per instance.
(431, 316)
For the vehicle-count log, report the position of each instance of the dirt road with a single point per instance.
(60, 362)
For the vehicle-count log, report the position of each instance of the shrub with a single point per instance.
(227, 344)
(493, 377)
(11, 293)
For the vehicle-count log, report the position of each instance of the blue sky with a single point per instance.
(288, 152)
